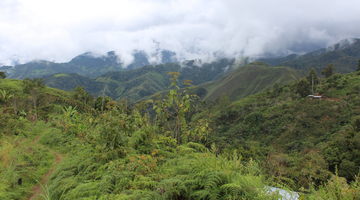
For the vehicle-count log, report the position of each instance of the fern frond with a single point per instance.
(232, 189)
(198, 147)
(172, 187)
(183, 150)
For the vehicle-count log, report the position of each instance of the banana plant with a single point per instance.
(68, 113)
(5, 97)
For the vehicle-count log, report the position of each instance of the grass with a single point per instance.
(58, 75)
(23, 159)
(14, 87)
(251, 79)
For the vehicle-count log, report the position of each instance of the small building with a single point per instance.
(315, 97)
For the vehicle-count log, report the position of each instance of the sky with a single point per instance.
(59, 30)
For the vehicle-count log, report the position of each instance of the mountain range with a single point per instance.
(141, 79)
(87, 64)
(138, 83)
(344, 55)
(245, 81)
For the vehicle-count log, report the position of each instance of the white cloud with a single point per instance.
(60, 30)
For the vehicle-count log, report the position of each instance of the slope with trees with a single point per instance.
(244, 81)
(87, 64)
(225, 151)
(137, 83)
(344, 58)
(300, 140)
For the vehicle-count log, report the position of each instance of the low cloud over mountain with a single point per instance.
(60, 30)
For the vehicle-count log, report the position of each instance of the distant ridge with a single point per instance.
(86, 64)
(138, 83)
(251, 79)
(344, 55)
(245, 81)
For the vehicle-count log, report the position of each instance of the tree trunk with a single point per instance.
(103, 99)
(34, 96)
(312, 86)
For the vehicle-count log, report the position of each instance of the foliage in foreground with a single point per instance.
(291, 135)
(127, 154)
(22, 161)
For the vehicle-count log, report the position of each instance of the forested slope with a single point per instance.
(303, 139)
(250, 79)
(85, 64)
(187, 149)
(245, 81)
(137, 83)
(344, 57)
(25, 108)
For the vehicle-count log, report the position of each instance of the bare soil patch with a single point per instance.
(38, 190)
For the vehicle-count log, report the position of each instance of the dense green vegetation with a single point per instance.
(344, 59)
(177, 147)
(134, 84)
(244, 81)
(300, 140)
(86, 64)
(27, 106)
(250, 79)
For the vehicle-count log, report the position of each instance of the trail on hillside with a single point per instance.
(331, 99)
(38, 190)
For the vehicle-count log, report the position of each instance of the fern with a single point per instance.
(232, 190)
(198, 147)
(183, 150)
(171, 188)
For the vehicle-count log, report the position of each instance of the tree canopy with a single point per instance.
(2, 75)
(312, 76)
(329, 71)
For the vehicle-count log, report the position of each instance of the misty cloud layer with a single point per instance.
(60, 30)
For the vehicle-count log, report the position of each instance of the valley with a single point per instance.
(217, 130)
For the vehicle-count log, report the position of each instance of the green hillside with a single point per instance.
(15, 87)
(345, 59)
(250, 79)
(186, 149)
(69, 81)
(137, 83)
(85, 64)
(300, 138)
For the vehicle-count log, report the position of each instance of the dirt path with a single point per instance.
(331, 99)
(38, 190)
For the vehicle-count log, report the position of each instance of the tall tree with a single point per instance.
(81, 95)
(100, 103)
(312, 78)
(329, 70)
(224, 101)
(358, 69)
(276, 89)
(33, 87)
(303, 87)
